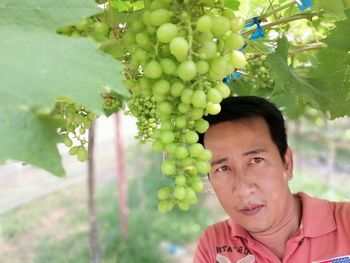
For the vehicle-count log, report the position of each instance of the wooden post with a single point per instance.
(121, 180)
(93, 238)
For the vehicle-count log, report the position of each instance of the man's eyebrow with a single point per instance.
(255, 151)
(218, 161)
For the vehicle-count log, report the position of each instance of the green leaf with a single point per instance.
(334, 9)
(339, 37)
(232, 4)
(38, 66)
(291, 91)
(333, 72)
(29, 138)
(45, 14)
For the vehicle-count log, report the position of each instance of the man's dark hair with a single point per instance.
(245, 107)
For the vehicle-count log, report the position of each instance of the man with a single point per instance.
(251, 167)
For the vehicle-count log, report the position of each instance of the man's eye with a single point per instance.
(255, 160)
(223, 168)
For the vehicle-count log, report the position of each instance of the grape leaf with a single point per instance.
(45, 14)
(333, 9)
(30, 138)
(339, 37)
(232, 4)
(292, 91)
(38, 66)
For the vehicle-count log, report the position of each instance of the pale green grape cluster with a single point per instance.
(73, 133)
(144, 109)
(184, 50)
(112, 102)
(99, 30)
(258, 72)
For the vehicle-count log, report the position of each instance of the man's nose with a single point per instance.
(244, 186)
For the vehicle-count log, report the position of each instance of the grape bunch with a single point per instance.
(77, 120)
(144, 109)
(184, 49)
(258, 72)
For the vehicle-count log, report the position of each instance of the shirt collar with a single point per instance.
(317, 217)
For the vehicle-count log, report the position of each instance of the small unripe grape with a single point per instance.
(180, 122)
(165, 206)
(157, 146)
(202, 67)
(142, 39)
(67, 141)
(73, 150)
(171, 148)
(203, 167)
(165, 108)
(217, 68)
(196, 113)
(181, 152)
(205, 155)
(191, 196)
(197, 184)
(100, 28)
(183, 205)
(207, 50)
(183, 108)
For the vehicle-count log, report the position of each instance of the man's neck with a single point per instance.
(276, 237)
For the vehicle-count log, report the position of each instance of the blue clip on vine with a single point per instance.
(304, 4)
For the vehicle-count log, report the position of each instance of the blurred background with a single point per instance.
(45, 219)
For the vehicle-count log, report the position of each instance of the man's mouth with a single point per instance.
(251, 210)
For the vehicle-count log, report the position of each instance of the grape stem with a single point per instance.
(274, 11)
(307, 15)
(312, 46)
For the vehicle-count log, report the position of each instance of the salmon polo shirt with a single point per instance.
(323, 236)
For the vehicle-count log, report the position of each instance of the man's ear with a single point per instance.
(288, 163)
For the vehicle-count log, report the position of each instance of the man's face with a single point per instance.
(248, 174)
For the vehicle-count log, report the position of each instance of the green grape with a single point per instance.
(165, 108)
(213, 108)
(83, 25)
(73, 150)
(238, 59)
(187, 70)
(204, 23)
(168, 66)
(208, 50)
(153, 70)
(166, 32)
(197, 113)
(161, 87)
(183, 108)
(201, 125)
(203, 167)
(181, 152)
(82, 154)
(167, 137)
(180, 122)
(177, 88)
(202, 67)
(197, 184)
(237, 24)
(199, 99)
(180, 180)
(191, 137)
(223, 89)
(164, 193)
(186, 96)
(234, 41)
(142, 39)
(157, 146)
(196, 149)
(205, 155)
(159, 17)
(191, 196)
(179, 192)
(220, 26)
(165, 206)
(179, 48)
(68, 142)
(214, 96)
(100, 28)
(216, 68)
(184, 206)
(171, 148)
(168, 167)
